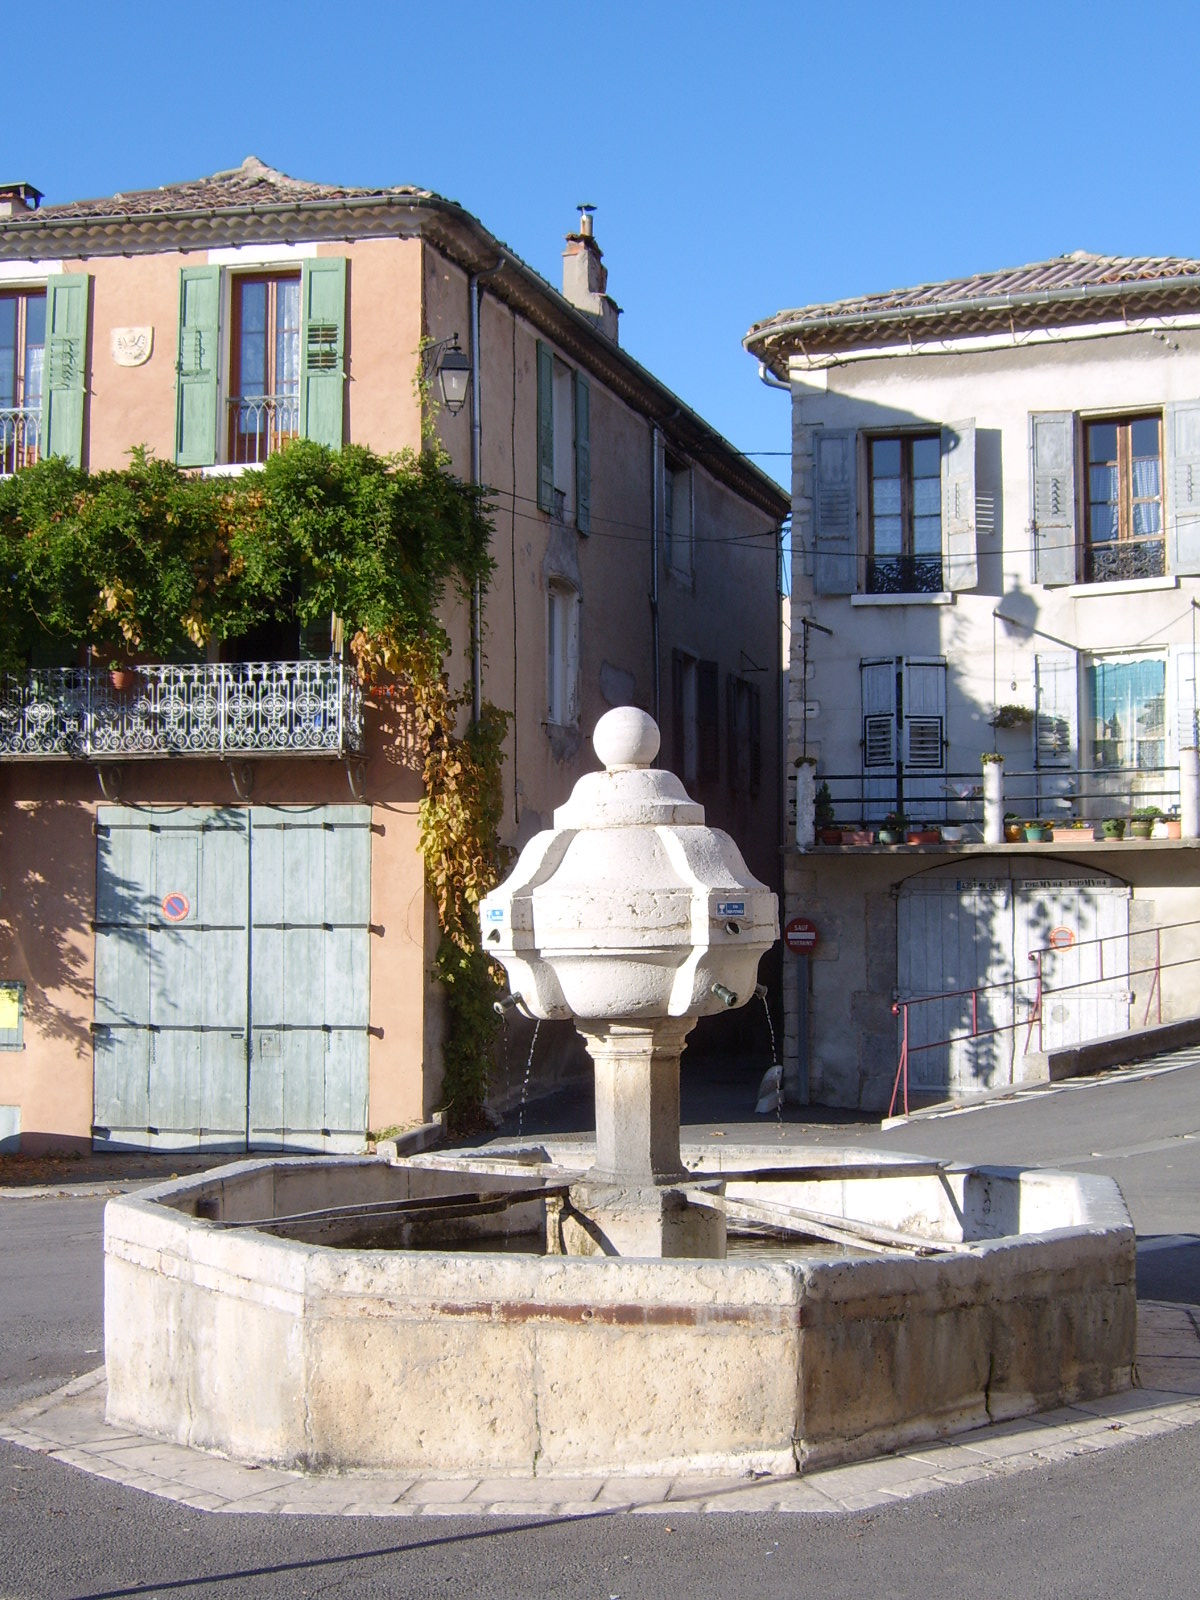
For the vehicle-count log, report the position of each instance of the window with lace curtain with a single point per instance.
(22, 348)
(1124, 499)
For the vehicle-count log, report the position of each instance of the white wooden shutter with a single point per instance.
(924, 691)
(879, 712)
(1181, 437)
(835, 469)
(1056, 703)
(1052, 485)
(1186, 698)
(960, 557)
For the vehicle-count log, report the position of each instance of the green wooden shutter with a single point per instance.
(323, 350)
(708, 720)
(834, 524)
(1181, 437)
(1052, 486)
(197, 367)
(63, 388)
(545, 427)
(583, 455)
(961, 560)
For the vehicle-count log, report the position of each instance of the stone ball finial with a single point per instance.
(626, 737)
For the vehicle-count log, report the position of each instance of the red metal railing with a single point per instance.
(1042, 990)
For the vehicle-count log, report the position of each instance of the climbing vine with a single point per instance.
(155, 562)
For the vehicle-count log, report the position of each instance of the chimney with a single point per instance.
(16, 199)
(585, 278)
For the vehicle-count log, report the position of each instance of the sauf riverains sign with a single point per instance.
(801, 936)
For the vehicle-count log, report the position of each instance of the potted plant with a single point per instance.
(892, 829)
(952, 832)
(1166, 828)
(1112, 828)
(1012, 716)
(1142, 821)
(1014, 828)
(1038, 832)
(823, 818)
(921, 833)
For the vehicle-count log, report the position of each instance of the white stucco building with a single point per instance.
(996, 551)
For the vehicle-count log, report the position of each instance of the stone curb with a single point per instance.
(69, 1426)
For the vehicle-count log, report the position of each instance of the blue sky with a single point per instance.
(743, 158)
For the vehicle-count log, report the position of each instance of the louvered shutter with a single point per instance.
(1056, 700)
(755, 737)
(323, 350)
(879, 713)
(1182, 475)
(960, 556)
(708, 720)
(583, 455)
(1187, 699)
(197, 366)
(924, 699)
(545, 427)
(65, 371)
(1052, 480)
(834, 525)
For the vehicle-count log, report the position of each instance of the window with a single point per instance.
(1116, 498)
(43, 357)
(905, 514)
(1124, 499)
(562, 654)
(1126, 697)
(695, 719)
(745, 736)
(677, 516)
(264, 368)
(22, 350)
(261, 360)
(904, 735)
(563, 440)
(893, 513)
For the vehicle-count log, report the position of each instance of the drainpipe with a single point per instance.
(655, 452)
(473, 295)
(769, 378)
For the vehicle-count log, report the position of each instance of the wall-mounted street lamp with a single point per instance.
(452, 365)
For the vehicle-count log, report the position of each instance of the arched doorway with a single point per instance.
(967, 931)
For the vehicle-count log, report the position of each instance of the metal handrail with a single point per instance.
(902, 1008)
(259, 708)
(261, 424)
(1072, 793)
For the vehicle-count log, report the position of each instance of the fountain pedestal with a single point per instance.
(629, 1202)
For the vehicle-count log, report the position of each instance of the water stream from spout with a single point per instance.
(528, 1072)
(772, 1084)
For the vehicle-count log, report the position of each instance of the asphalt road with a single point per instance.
(1121, 1522)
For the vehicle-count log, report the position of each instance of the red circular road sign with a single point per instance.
(800, 935)
(175, 907)
(1061, 938)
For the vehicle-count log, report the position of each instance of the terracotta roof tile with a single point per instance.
(251, 184)
(1064, 289)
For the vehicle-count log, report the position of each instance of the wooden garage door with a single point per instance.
(232, 977)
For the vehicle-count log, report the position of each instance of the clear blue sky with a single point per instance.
(743, 157)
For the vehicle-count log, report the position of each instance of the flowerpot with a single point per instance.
(1070, 835)
(830, 835)
(890, 836)
(1140, 827)
(1014, 832)
(123, 679)
(1112, 828)
(952, 834)
(858, 836)
(1167, 828)
(921, 836)
(1036, 834)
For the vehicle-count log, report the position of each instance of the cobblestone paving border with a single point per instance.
(69, 1426)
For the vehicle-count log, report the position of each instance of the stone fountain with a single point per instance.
(571, 1308)
(635, 919)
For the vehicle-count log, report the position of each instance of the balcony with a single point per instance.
(260, 425)
(258, 708)
(20, 438)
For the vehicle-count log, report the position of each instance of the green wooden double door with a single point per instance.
(232, 1001)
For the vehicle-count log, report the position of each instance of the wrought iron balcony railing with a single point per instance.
(904, 574)
(261, 424)
(20, 438)
(1123, 559)
(257, 708)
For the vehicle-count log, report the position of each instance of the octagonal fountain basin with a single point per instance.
(330, 1314)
